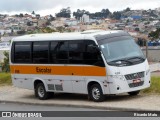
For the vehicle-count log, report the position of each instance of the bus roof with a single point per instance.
(91, 34)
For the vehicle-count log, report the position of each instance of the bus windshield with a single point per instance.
(122, 52)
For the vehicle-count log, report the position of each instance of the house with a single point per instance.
(57, 23)
(35, 22)
(157, 25)
(42, 22)
(16, 27)
(71, 22)
(84, 18)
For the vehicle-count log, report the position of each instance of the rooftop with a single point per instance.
(71, 36)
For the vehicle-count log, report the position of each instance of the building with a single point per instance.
(84, 18)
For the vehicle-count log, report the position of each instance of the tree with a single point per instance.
(47, 30)
(21, 32)
(127, 9)
(79, 13)
(16, 15)
(60, 29)
(154, 34)
(105, 13)
(153, 14)
(64, 12)
(5, 64)
(137, 29)
(21, 15)
(33, 13)
(116, 15)
(52, 18)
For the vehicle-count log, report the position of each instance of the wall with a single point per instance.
(153, 55)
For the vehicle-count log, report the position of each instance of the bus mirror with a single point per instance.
(94, 48)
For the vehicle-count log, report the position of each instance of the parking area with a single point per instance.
(117, 102)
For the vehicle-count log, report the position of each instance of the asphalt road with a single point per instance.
(27, 107)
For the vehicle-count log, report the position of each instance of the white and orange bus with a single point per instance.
(96, 63)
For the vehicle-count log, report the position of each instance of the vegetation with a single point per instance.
(79, 13)
(154, 34)
(116, 15)
(104, 13)
(64, 12)
(42, 30)
(5, 64)
(5, 79)
(155, 86)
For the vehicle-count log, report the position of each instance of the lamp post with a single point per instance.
(147, 48)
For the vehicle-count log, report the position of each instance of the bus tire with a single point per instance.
(40, 92)
(95, 93)
(134, 93)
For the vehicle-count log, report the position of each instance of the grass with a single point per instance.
(5, 79)
(155, 86)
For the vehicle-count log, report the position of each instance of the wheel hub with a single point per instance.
(41, 91)
(95, 93)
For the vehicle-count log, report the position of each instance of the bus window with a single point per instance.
(22, 52)
(92, 56)
(76, 50)
(59, 52)
(40, 52)
(53, 50)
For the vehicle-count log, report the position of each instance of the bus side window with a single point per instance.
(40, 52)
(53, 50)
(22, 52)
(92, 56)
(76, 50)
(59, 52)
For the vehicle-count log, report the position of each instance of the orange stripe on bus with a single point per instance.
(59, 70)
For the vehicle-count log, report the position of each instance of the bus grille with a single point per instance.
(131, 85)
(134, 76)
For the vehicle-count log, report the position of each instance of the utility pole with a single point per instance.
(147, 48)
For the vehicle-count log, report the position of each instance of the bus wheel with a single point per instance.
(134, 93)
(40, 92)
(95, 93)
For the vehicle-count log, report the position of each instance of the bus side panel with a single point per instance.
(22, 81)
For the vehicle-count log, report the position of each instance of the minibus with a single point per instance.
(95, 63)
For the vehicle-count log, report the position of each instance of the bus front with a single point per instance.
(127, 68)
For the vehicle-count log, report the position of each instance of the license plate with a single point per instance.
(137, 81)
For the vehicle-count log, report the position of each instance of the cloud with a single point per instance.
(90, 5)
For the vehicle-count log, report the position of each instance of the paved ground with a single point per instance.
(119, 102)
(156, 74)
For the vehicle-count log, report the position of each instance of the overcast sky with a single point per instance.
(45, 7)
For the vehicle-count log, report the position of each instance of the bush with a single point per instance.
(5, 64)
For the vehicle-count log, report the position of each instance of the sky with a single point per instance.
(46, 7)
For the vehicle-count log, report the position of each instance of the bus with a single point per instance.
(95, 63)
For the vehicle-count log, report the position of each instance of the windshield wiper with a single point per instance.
(120, 61)
(137, 57)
